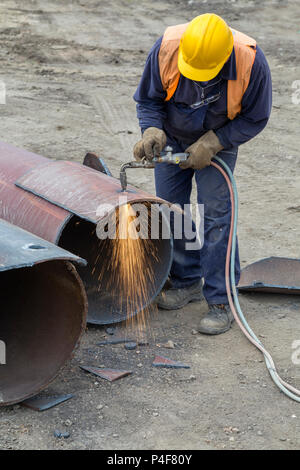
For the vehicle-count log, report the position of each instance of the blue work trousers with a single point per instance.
(189, 266)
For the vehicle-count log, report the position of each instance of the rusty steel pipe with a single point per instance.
(43, 312)
(58, 201)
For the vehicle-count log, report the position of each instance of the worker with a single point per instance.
(206, 89)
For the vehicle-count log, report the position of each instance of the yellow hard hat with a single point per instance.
(204, 47)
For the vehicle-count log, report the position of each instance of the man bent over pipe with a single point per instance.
(205, 90)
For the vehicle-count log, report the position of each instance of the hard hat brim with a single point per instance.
(199, 75)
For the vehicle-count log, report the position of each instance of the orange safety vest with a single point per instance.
(245, 50)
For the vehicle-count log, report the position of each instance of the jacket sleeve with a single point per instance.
(150, 95)
(256, 107)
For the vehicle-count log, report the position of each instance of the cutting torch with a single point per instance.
(167, 157)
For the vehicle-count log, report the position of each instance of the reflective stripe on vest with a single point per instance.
(245, 50)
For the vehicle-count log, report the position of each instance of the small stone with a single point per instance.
(282, 439)
(115, 435)
(170, 344)
(68, 422)
(143, 342)
(194, 332)
(259, 433)
(60, 434)
(130, 346)
(99, 407)
(110, 330)
(231, 438)
(140, 364)
(192, 377)
(155, 413)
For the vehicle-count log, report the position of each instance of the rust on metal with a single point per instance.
(108, 374)
(275, 274)
(22, 208)
(96, 163)
(43, 312)
(64, 211)
(79, 189)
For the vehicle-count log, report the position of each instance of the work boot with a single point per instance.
(172, 299)
(217, 320)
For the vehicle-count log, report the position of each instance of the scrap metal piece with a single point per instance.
(42, 403)
(161, 361)
(108, 374)
(274, 275)
(96, 163)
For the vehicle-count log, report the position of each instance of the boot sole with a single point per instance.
(213, 332)
(195, 298)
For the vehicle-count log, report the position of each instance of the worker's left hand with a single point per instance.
(202, 151)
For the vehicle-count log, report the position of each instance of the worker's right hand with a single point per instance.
(152, 143)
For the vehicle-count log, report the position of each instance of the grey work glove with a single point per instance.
(152, 143)
(202, 151)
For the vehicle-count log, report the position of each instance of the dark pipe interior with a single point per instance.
(80, 238)
(42, 316)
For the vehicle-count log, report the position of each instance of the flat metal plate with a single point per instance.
(108, 374)
(275, 274)
(19, 249)
(161, 361)
(79, 189)
(42, 403)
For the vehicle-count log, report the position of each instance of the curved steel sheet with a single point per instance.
(43, 316)
(19, 249)
(22, 208)
(79, 189)
(275, 274)
(43, 312)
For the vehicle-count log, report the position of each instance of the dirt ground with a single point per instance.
(70, 70)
